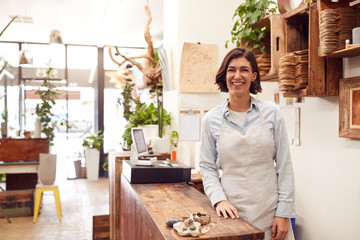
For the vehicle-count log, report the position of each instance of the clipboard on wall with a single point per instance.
(189, 125)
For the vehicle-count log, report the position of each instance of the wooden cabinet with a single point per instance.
(328, 4)
(298, 30)
(22, 149)
(301, 33)
(274, 42)
(19, 152)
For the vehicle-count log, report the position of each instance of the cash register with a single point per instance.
(141, 169)
(139, 149)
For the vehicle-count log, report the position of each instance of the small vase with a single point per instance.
(37, 132)
(47, 172)
(160, 145)
(92, 157)
(4, 129)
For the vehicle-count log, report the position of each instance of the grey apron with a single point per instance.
(249, 179)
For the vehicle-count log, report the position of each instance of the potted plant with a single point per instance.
(4, 126)
(92, 144)
(143, 115)
(43, 110)
(246, 16)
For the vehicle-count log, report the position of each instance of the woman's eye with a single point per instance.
(230, 70)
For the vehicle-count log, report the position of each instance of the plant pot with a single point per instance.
(37, 132)
(160, 145)
(92, 157)
(150, 132)
(47, 171)
(4, 129)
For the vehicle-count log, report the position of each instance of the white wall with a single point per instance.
(326, 167)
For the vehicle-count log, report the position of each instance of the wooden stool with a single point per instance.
(38, 195)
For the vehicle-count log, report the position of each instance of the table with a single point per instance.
(20, 159)
(19, 167)
(145, 207)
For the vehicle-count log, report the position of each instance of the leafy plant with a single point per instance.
(4, 115)
(143, 115)
(48, 94)
(127, 99)
(94, 140)
(246, 16)
(174, 138)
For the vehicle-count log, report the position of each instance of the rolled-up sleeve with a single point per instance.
(208, 167)
(284, 169)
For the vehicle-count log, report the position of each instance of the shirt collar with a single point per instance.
(253, 105)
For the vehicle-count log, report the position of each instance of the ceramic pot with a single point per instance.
(92, 157)
(37, 132)
(160, 145)
(4, 129)
(47, 171)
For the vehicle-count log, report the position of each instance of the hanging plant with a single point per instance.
(246, 16)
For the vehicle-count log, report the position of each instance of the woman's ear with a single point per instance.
(254, 76)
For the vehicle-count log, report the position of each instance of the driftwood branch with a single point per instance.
(150, 48)
(138, 65)
(151, 69)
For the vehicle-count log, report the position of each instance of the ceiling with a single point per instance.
(94, 22)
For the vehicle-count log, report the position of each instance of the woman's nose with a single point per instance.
(237, 74)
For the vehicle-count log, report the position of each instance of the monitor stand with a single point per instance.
(134, 158)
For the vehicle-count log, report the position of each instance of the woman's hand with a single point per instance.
(280, 228)
(225, 209)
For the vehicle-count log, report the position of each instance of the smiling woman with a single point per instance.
(245, 137)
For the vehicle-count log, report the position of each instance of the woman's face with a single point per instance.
(239, 76)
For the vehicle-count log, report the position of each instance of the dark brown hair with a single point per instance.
(255, 86)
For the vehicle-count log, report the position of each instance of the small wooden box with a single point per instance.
(101, 224)
(19, 203)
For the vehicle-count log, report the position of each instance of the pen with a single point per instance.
(167, 163)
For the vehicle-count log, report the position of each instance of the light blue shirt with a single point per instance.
(209, 159)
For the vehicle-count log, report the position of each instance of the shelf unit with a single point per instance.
(274, 43)
(328, 4)
(302, 32)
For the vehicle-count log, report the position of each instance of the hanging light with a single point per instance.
(25, 57)
(56, 36)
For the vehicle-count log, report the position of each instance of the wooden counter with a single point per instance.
(139, 211)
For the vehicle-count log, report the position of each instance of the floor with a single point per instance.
(79, 199)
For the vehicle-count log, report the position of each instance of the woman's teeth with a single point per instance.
(237, 83)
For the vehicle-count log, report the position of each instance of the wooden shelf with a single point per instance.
(270, 77)
(296, 93)
(350, 52)
(301, 9)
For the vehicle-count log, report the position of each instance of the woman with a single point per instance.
(246, 138)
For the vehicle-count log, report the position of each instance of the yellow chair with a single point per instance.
(38, 195)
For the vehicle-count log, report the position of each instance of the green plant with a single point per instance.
(4, 115)
(246, 16)
(48, 94)
(143, 115)
(127, 99)
(93, 140)
(174, 138)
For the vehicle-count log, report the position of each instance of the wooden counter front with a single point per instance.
(145, 208)
(139, 211)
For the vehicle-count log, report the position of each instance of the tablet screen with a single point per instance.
(139, 140)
